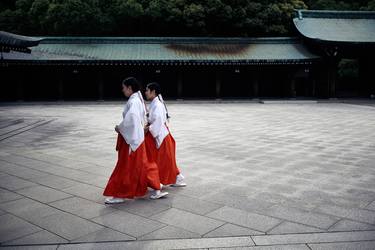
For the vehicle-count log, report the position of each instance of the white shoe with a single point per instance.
(157, 194)
(179, 181)
(114, 200)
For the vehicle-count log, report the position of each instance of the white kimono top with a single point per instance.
(157, 119)
(132, 125)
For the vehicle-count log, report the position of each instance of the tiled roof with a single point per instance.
(357, 27)
(166, 50)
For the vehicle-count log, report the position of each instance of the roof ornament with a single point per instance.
(300, 17)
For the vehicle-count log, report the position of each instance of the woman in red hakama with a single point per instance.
(160, 145)
(133, 172)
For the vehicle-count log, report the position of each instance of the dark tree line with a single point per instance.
(160, 17)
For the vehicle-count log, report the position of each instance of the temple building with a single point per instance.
(91, 68)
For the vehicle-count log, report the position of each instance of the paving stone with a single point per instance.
(239, 202)
(6, 196)
(28, 209)
(86, 191)
(362, 215)
(83, 208)
(314, 238)
(36, 238)
(38, 247)
(349, 225)
(287, 227)
(301, 216)
(168, 244)
(14, 183)
(19, 171)
(170, 232)
(144, 207)
(43, 194)
(13, 227)
(186, 203)
(239, 217)
(188, 221)
(364, 245)
(371, 206)
(56, 182)
(103, 235)
(231, 230)
(278, 247)
(129, 224)
(298, 157)
(68, 226)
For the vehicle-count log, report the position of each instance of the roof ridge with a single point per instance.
(167, 40)
(342, 14)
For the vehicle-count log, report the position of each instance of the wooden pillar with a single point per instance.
(313, 88)
(61, 87)
(218, 84)
(20, 85)
(179, 84)
(100, 86)
(256, 87)
(332, 77)
(293, 92)
(60, 83)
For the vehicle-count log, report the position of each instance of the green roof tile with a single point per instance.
(167, 49)
(337, 26)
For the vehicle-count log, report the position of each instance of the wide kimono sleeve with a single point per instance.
(132, 131)
(156, 120)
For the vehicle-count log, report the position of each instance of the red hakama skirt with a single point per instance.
(133, 173)
(165, 157)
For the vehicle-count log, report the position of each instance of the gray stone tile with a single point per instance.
(83, 208)
(364, 245)
(43, 194)
(239, 217)
(28, 209)
(190, 204)
(285, 158)
(13, 227)
(349, 225)
(57, 182)
(167, 244)
(170, 232)
(129, 224)
(14, 183)
(362, 215)
(371, 206)
(287, 227)
(277, 247)
(240, 202)
(68, 226)
(44, 237)
(20, 171)
(144, 207)
(314, 238)
(188, 221)
(98, 170)
(38, 247)
(86, 191)
(6, 196)
(103, 235)
(304, 217)
(231, 230)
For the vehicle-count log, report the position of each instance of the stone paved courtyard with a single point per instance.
(260, 176)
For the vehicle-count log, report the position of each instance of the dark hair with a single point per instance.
(133, 83)
(154, 86)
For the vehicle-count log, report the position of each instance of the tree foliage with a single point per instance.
(161, 17)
